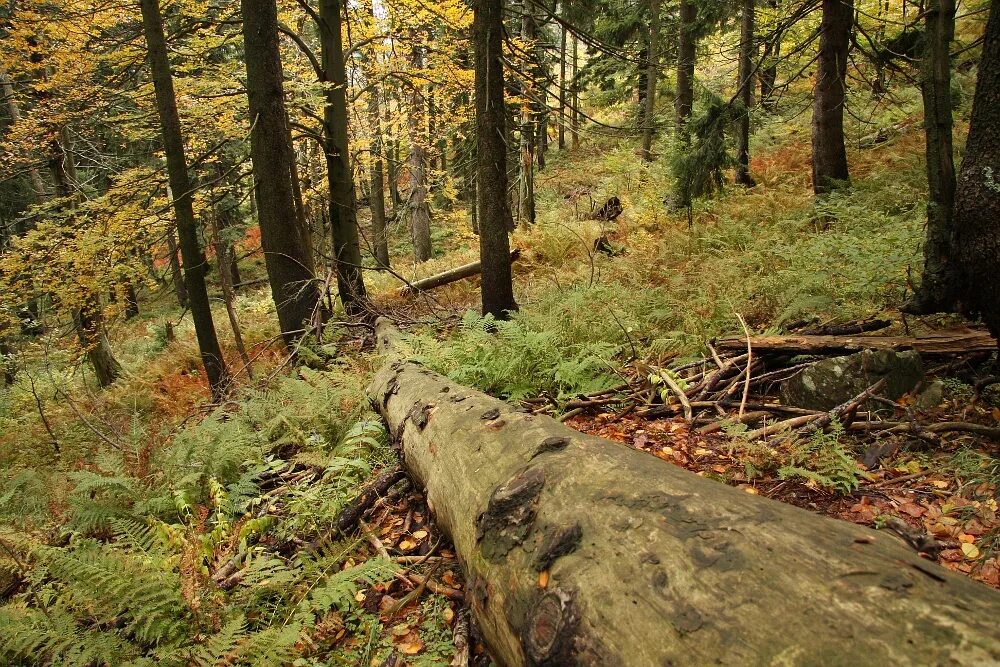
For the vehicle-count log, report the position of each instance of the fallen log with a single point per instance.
(578, 550)
(450, 276)
(949, 341)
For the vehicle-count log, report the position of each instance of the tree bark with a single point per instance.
(941, 342)
(582, 551)
(493, 215)
(526, 176)
(296, 296)
(176, 274)
(377, 197)
(829, 160)
(575, 90)
(563, 32)
(450, 276)
(187, 228)
(769, 69)
(343, 208)
(745, 94)
(652, 72)
(976, 243)
(14, 110)
(686, 45)
(934, 293)
(420, 218)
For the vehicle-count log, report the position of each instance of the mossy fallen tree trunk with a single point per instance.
(578, 550)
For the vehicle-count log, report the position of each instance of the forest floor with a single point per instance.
(769, 255)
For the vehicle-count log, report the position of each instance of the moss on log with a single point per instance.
(578, 550)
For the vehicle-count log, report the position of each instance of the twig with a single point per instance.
(746, 382)
(676, 388)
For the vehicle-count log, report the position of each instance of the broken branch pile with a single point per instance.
(735, 386)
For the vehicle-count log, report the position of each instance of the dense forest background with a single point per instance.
(205, 205)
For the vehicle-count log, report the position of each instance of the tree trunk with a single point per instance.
(653, 51)
(574, 89)
(829, 160)
(14, 110)
(526, 175)
(293, 288)
(94, 340)
(305, 232)
(222, 253)
(562, 78)
(176, 274)
(745, 94)
(343, 208)
(392, 159)
(582, 551)
(686, 45)
(934, 294)
(493, 216)
(187, 228)
(87, 318)
(769, 68)
(976, 243)
(377, 197)
(420, 217)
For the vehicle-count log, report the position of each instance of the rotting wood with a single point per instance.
(450, 276)
(649, 564)
(948, 341)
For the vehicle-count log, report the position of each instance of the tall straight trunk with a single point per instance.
(574, 86)
(562, 78)
(176, 274)
(343, 208)
(653, 54)
(14, 111)
(420, 218)
(745, 94)
(392, 157)
(526, 179)
(686, 45)
(769, 71)
(491, 160)
(935, 86)
(222, 252)
(377, 198)
(296, 295)
(976, 241)
(541, 106)
(187, 229)
(829, 160)
(300, 209)
(131, 300)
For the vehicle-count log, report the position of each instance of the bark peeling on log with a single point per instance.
(509, 514)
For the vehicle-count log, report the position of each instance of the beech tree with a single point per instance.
(195, 265)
